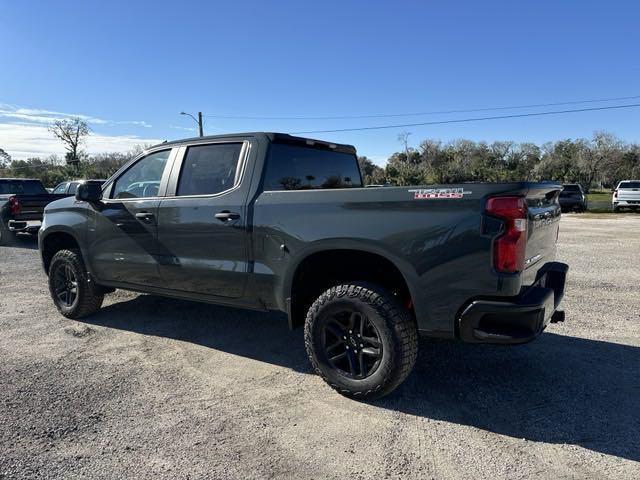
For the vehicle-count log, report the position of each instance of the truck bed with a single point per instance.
(439, 235)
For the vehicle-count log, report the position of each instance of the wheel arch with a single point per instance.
(53, 241)
(329, 264)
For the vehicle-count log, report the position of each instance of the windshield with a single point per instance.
(571, 188)
(24, 187)
(629, 185)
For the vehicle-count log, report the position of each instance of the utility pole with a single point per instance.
(197, 120)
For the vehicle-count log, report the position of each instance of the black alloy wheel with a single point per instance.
(65, 285)
(352, 344)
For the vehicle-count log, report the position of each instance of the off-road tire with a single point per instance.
(396, 329)
(87, 301)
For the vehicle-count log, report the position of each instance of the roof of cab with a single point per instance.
(273, 137)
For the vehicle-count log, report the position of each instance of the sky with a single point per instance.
(130, 67)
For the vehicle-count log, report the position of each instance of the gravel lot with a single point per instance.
(158, 388)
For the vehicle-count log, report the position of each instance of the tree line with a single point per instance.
(52, 170)
(77, 164)
(600, 162)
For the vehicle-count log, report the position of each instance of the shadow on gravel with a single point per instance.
(558, 389)
(258, 335)
(26, 241)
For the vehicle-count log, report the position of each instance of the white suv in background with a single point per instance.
(626, 195)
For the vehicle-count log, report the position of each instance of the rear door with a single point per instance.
(123, 233)
(542, 228)
(202, 222)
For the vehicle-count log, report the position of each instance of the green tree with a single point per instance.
(372, 174)
(5, 158)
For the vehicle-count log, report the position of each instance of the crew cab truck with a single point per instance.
(270, 221)
(22, 201)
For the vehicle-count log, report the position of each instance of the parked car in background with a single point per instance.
(268, 221)
(69, 188)
(22, 201)
(626, 195)
(572, 198)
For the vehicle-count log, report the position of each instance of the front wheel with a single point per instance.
(360, 341)
(69, 286)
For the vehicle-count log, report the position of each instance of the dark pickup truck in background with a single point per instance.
(274, 222)
(22, 202)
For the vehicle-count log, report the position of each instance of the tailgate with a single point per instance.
(629, 195)
(542, 229)
(32, 206)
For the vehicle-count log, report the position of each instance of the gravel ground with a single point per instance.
(158, 388)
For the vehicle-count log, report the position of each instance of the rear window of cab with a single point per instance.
(290, 167)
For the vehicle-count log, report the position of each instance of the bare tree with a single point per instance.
(403, 138)
(72, 133)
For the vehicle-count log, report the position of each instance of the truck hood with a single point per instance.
(63, 203)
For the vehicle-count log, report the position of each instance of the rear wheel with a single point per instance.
(69, 285)
(360, 341)
(616, 209)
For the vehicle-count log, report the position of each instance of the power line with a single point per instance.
(416, 114)
(475, 119)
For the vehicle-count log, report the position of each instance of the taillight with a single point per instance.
(509, 247)
(14, 206)
(615, 194)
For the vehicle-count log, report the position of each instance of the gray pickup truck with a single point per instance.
(269, 221)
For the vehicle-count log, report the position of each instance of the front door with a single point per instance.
(123, 235)
(202, 221)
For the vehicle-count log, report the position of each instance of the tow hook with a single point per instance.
(558, 316)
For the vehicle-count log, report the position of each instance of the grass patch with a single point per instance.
(599, 201)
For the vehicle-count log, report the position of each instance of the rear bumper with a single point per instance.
(27, 226)
(520, 319)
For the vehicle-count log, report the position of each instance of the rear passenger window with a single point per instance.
(291, 167)
(209, 169)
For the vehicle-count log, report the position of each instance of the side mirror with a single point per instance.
(89, 192)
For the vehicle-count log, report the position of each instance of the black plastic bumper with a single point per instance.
(519, 319)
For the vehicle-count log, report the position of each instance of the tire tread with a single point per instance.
(88, 302)
(400, 322)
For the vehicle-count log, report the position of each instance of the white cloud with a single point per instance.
(22, 140)
(188, 129)
(41, 116)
